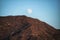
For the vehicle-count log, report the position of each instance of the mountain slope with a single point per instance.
(25, 28)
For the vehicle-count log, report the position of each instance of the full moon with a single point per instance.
(29, 11)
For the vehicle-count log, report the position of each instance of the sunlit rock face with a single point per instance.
(26, 28)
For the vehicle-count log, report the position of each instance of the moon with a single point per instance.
(29, 11)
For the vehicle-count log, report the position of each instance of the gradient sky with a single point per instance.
(44, 10)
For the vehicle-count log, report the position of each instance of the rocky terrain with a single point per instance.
(26, 28)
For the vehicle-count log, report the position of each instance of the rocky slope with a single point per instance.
(26, 28)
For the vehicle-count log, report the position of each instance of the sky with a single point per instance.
(44, 10)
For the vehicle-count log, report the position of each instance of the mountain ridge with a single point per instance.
(25, 28)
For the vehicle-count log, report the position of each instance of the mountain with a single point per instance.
(26, 28)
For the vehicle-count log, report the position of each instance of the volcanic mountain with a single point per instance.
(26, 28)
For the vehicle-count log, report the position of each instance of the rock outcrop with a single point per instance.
(25, 28)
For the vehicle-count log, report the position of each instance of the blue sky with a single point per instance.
(44, 10)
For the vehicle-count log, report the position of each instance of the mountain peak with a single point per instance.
(25, 28)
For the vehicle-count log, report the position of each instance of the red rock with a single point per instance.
(25, 28)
